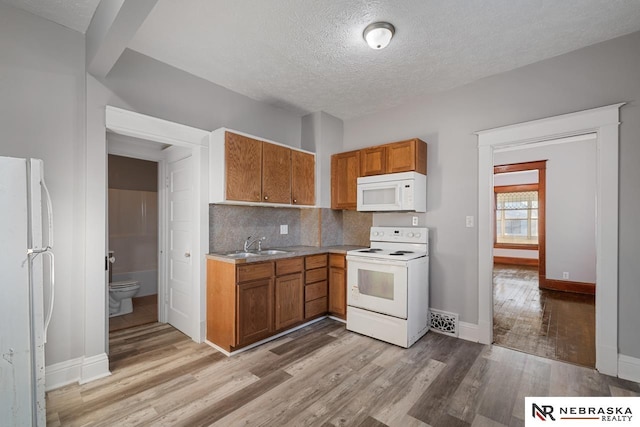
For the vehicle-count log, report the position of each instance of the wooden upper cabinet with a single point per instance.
(246, 169)
(276, 173)
(303, 178)
(345, 170)
(406, 156)
(243, 160)
(373, 161)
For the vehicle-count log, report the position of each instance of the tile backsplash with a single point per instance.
(230, 225)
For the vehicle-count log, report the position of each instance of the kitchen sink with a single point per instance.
(271, 252)
(240, 254)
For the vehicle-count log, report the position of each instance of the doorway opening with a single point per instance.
(551, 313)
(604, 123)
(133, 225)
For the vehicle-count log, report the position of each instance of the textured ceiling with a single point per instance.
(74, 14)
(309, 55)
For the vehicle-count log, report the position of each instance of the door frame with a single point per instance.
(132, 124)
(604, 121)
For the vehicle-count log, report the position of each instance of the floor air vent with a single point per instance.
(443, 322)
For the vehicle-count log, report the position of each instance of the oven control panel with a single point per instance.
(399, 234)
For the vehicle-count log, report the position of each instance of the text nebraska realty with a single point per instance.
(609, 413)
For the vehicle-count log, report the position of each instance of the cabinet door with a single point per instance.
(338, 292)
(303, 178)
(254, 311)
(345, 170)
(276, 173)
(243, 160)
(405, 156)
(289, 300)
(373, 161)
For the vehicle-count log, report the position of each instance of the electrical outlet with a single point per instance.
(469, 221)
(414, 220)
(284, 229)
(565, 275)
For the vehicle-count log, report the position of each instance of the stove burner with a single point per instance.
(401, 252)
(371, 250)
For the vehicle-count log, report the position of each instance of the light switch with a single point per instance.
(284, 229)
(469, 221)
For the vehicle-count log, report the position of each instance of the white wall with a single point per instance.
(42, 103)
(570, 206)
(598, 75)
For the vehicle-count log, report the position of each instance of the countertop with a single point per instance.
(291, 251)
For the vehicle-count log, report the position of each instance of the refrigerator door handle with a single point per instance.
(52, 282)
(49, 214)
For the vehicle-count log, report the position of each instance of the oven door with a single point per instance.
(377, 285)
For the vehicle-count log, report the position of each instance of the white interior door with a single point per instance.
(181, 292)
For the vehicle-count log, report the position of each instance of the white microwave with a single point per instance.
(400, 192)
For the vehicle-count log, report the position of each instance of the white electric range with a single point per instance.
(388, 285)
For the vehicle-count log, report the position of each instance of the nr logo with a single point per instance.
(543, 412)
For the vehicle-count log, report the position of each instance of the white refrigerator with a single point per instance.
(26, 289)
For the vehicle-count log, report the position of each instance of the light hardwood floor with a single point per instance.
(321, 375)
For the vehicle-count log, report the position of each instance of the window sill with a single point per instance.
(515, 246)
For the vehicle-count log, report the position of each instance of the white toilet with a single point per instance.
(120, 294)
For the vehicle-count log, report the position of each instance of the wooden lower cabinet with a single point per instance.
(255, 311)
(338, 286)
(315, 288)
(289, 300)
(249, 302)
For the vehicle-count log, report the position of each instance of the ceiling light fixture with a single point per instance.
(378, 35)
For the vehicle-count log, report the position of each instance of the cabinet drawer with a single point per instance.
(288, 266)
(315, 291)
(316, 275)
(315, 307)
(315, 261)
(263, 270)
(337, 260)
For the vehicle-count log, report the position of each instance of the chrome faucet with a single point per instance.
(249, 242)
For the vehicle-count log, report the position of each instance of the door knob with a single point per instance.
(112, 259)
(187, 254)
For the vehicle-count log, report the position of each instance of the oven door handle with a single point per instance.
(367, 260)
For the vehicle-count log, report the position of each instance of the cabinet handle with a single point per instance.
(295, 201)
(266, 197)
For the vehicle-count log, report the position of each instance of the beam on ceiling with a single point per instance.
(114, 24)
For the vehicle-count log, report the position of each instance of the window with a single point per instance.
(517, 218)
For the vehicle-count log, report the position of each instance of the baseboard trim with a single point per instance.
(62, 374)
(255, 344)
(80, 370)
(533, 262)
(629, 368)
(567, 286)
(94, 367)
(469, 331)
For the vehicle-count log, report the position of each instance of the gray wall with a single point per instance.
(42, 102)
(570, 206)
(151, 87)
(598, 75)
